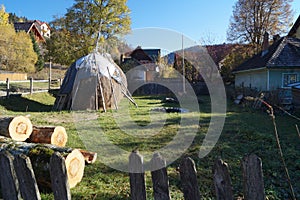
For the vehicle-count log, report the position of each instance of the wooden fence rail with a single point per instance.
(30, 85)
(252, 178)
(17, 179)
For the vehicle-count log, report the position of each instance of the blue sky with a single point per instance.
(200, 20)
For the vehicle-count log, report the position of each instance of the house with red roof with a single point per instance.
(40, 30)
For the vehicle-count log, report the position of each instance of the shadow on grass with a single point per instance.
(18, 103)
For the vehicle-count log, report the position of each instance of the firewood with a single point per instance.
(40, 155)
(89, 157)
(18, 128)
(49, 135)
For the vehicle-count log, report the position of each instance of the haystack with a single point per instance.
(92, 82)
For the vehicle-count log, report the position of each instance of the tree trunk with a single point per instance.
(18, 128)
(89, 157)
(49, 135)
(40, 159)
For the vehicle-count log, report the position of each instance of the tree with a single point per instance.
(237, 56)
(76, 34)
(252, 18)
(3, 16)
(16, 50)
(14, 18)
(39, 65)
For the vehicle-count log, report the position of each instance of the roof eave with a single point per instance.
(249, 70)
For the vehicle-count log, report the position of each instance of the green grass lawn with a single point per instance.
(246, 131)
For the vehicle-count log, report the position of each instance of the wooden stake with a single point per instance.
(112, 89)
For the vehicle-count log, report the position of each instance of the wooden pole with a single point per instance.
(188, 176)
(50, 74)
(253, 178)
(159, 178)
(137, 177)
(222, 181)
(31, 85)
(102, 96)
(112, 89)
(7, 88)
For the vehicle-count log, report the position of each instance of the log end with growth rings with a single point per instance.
(20, 128)
(75, 167)
(59, 136)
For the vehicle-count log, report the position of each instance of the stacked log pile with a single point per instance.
(18, 137)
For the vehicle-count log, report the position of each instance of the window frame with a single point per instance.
(288, 74)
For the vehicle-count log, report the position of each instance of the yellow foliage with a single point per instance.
(3, 16)
(16, 50)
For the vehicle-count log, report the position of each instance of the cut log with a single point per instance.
(49, 135)
(74, 161)
(89, 157)
(40, 155)
(18, 128)
(75, 167)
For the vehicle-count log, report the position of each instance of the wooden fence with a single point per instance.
(252, 178)
(17, 179)
(28, 87)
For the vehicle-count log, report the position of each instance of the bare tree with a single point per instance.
(252, 18)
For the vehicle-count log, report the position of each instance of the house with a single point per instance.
(142, 56)
(143, 62)
(275, 67)
(44, 27)
(39, 29)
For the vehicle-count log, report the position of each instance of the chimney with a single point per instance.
(265, 44)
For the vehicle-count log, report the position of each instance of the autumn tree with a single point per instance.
(16, 50)
(3, 16)
(252, 18)
(238, 54)
(76, 34)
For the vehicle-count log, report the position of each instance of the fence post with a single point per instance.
(8, 179)
(137, 176)
(28, 185)
(49, 84)
(59, 178)
(253, 178)
(222, 181)
(188, 176)
(159, 178)
(7, 88)
(31, 85)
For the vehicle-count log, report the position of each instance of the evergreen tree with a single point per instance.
(39, 65)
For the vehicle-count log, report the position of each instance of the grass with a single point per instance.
(245, 131)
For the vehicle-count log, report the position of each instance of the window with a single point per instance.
(289, 79)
